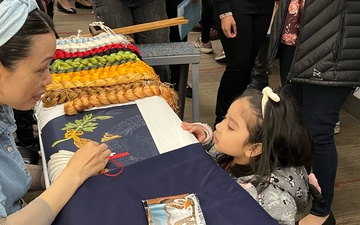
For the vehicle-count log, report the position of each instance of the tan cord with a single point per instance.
(78, 99)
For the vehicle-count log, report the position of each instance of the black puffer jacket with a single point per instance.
(328, 48)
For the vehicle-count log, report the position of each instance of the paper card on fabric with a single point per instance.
(174, 210)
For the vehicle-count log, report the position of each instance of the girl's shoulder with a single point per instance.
(289, 176)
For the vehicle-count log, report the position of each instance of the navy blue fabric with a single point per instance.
(105, 200)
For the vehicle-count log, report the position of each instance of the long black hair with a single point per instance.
(281, 131)
(18, 47)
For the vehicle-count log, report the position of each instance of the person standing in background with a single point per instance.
(46, 6)
(317, 43)
(65, 7)
(261, 71)
(207, 21)
(244, 24)
(122, 13)
(24, 129)
(171, 11)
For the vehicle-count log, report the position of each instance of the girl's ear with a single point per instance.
(255, 150)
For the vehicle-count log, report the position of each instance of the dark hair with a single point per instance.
(282, 132)
(18, 47)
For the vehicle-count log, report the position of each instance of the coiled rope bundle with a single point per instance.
(105, 69)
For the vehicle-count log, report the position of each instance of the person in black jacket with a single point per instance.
(244, 24)
(317, 44)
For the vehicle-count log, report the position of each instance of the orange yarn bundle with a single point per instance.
(101, 70)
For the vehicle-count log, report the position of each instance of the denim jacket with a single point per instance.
(15, 179)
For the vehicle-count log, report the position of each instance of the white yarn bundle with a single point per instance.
(57, 163)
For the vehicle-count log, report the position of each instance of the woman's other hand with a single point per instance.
(228, 26)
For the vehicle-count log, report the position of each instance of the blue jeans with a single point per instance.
(321, 107)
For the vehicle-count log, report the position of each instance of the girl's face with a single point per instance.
(231, 134)
(23, 86)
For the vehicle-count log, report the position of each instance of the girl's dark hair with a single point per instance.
(18, 47)
(282, 132)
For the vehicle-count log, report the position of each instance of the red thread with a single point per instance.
(119, 155)
(121, 166)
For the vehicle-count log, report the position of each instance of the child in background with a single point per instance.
(263, 144)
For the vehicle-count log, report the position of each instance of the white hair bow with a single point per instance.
(268, 93)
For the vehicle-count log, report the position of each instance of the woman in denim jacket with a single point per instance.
(27, 44)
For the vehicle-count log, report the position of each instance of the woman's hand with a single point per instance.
(89, 160)
(196, 130)
(228, 26)
(86, 162)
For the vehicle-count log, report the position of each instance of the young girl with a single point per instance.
(263, 144)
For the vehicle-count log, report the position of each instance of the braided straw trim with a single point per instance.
(52, 98)
(77, 100)
(117, 80)
(80, 104)
(63, 80)
(69, 65)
